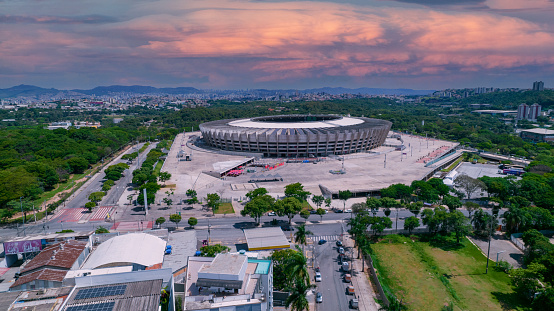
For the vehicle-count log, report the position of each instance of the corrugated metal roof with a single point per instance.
(43, 274)
(62, 255)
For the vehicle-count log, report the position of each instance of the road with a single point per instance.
(332, 286)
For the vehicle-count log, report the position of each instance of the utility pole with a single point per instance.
(489, 250)
(145, 202)
(209, 227)
(22, 215)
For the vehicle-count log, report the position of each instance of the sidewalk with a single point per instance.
(360, 281)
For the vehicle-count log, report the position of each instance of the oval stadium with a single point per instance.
(296, 135)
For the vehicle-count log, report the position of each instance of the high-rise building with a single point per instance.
(538, 86)
(526, 112)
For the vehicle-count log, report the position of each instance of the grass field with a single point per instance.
(428, 275)
(225, 208)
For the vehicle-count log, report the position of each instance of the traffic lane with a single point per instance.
(332, 286)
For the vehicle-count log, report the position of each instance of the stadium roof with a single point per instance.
(128, 249)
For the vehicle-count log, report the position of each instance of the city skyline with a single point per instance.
(222, 44)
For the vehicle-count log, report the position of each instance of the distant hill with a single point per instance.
(368, 91)
(33, 91)
(26, 90)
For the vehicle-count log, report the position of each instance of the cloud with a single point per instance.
(221, 43)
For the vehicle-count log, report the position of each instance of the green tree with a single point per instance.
(160, 221)
(514, 218)
(176, 218)
(101, 230)
(191, 193)
(17, 205)
(373, 205)
(297, 300)
(318, 200)
(288, 206)
(344, 196)
(379, 224)
(469, 185)
(459, 224)
(6, 213)
(328, 202)
(130, 198)
(164, 176)
(300, 236)
(305, 214)
(280, 260)
(96, 197)
(258, 192)
(213, 202)
(297, 191)
(415, 207)
(167, 201)
(297, 269)
(90, 206)
(527, 281)
(77, 165)
(411, 223)
(257, 207)
(212, 250)
(192, 222)
(453, 203)
(471, 207)
(320, 212)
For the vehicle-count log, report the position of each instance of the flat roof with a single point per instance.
(230, 264)
(51, 236)
(539, 131)
(495, 111)
(266, 238)
(343, 121)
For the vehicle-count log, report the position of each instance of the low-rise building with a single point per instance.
(537, 135)
(229, 282)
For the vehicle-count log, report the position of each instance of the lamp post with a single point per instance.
(22, 215)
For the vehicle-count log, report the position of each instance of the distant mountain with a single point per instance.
(33, 91)
(368, 91)
(26, 90)
(137, 89)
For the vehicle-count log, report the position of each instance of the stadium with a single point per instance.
(296, 135)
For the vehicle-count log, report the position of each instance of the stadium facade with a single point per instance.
(296, 135)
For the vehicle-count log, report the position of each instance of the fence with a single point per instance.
(369, 263)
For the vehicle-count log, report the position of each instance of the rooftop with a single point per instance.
(128, 249)
(229, 264)
(43, 274)
(61, 255)
(539, 131)
(266, 238)
(135, 296)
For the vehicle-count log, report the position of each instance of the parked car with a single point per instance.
(338, 210)
(318, 276)
(354, 303)
(318, 297)
(347, 278)
(287, 228)
(339, 243)
(345, 266)
(322, 241)
(348, 210)
(271, 214)
(350, 290)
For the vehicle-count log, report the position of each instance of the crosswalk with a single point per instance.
(100, 213)
(132, 226)
(316, 238)
(71, 215)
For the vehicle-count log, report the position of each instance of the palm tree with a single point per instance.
(297, 300)
(297, 268)
(514, 218)
(301, 234)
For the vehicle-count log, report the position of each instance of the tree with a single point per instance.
(213, 202)
(318, 200)
(471, 207)
(358, 207)
(130, 198)
(289, 207)
(164, 176)
(300, 236)
(328, 202)
(373, 205)
(101, 230)
(320, 212)
(212, 250)
(305, 214)
(77, 165)
(514, 218)
(379, 224)
(415, 207)
(18, 205)
(160, 221)
(527, 281)
(257, 207)
(482, 223)
(176, 218)
(297, 191)
(439, 186)
(258, 192)
(297, 269)
(6, 213)
(459, 224)
(192, 222)
(191, 193)
(411, 223)
(453, 203)
(468, 184)
(167, 201)
(96, 197)
(90, 206)
(280, 260)
(297, 300)
(344, 196)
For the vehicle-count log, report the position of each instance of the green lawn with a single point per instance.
(225, 208)
(158, 167)
(427, 275)
(453, 165)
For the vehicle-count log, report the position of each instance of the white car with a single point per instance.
(318, 277)
(348, 210)
(271, 214)
(319, 298)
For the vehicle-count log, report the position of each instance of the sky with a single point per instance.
(240, 44)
